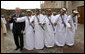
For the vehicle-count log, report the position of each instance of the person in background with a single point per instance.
(3, 32)
(33, 14)
(43, 13)
(11, 24)
(23, 14)
(4, 22)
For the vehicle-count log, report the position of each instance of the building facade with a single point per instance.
(79, 5)
(60, 4)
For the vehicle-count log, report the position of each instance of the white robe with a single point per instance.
(39, 37)
(11, 26)
(54, 18)
(4, 22)
(60, 30)
(70, 34)
(44, 16)
(29, 34)
(49, 38)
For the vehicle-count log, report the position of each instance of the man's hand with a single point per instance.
(43, 24)
(15, 18)
(55, 24)
(70, 28)
(40, 24)
(22, 31)
(7, 18)
(32, 22)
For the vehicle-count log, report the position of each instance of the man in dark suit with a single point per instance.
(18, 28)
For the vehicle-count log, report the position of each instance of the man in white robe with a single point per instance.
(39, 29)
(29, 31)
(4, 22)
(71, 27)
(44, 15)
(49, 30)
(60, 23)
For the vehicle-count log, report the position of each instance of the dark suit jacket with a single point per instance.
(17, 26)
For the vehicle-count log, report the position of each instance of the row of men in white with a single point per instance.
(49, 30)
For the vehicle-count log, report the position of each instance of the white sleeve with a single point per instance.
(22, 19)
(67, 23)
(5, 21)
(76, 19)
(56, 18)
(52, 19)
(43, 21)
(32, 19)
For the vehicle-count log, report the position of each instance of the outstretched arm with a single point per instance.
(32, 19)
(11, 19)
(21, 19)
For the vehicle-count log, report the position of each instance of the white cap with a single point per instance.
(75, 11)
(48, 9)
(63, 9)
(29, 10)
(54, 12)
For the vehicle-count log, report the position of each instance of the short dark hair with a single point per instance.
(37, 9)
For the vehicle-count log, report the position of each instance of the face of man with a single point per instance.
(17, 10)
(49, 13)
(29, 13)
(37, 12)
(43, 13)
(62, 12)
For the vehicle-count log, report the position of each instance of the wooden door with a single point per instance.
(81, 12)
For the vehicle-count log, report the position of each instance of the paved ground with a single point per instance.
(77, 48)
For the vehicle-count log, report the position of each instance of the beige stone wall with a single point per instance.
(77, 4)
(60, 4)
(54, 4)
(69, 7)
(73, 5)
